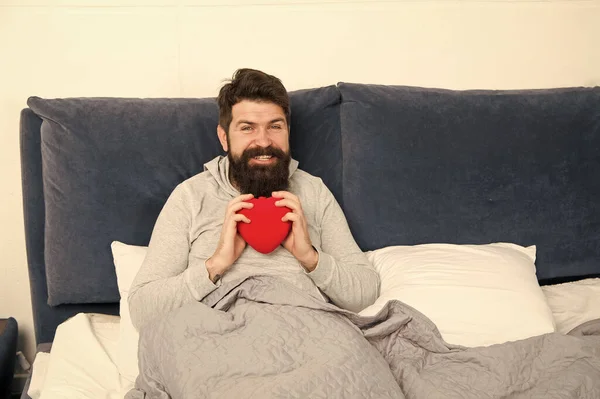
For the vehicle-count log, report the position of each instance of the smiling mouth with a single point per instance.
(263, 160)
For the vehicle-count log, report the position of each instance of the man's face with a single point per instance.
(257, 147)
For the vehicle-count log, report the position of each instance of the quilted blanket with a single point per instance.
(263, 338)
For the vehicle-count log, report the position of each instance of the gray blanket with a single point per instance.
(263, 338)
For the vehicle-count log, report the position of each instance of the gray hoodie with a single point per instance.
(187, 232)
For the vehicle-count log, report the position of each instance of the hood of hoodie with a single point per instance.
(219, 169)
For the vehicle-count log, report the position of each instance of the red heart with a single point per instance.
(265, 230)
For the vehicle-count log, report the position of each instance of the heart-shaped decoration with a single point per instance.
(265, 231)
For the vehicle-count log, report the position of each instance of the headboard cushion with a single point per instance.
(475, 167)
(108, 166)
(45, 317)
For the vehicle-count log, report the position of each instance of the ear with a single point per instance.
(222, 137)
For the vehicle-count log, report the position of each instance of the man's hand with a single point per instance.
(231, 244)
(298, 241)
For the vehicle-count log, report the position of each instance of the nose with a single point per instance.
(262, 138)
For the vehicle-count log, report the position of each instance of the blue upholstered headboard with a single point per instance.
(408, 165)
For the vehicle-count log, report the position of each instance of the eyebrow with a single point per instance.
(254, 123)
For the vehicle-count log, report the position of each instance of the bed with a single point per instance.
(473, 200)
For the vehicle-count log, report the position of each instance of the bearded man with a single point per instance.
(195, 244)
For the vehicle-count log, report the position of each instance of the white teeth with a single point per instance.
(263, 157)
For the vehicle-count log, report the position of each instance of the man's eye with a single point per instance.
(276, 127)
(246, 128)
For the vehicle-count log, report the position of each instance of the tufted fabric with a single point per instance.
(474, 167)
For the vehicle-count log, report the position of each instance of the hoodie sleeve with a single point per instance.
(343, 271)
(169, 278)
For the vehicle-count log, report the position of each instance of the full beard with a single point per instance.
(260, 180)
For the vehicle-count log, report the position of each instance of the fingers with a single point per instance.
(243, 197)
(285, 194)
(232, 217)
(238, 217)
(292, 202)
(293, 205)
(288, 199)
(233, 208)
(230, 242)
(291, 217)
(239, 203)
(240, 200)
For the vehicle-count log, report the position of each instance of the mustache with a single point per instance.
(259, 151)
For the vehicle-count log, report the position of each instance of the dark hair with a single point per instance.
(254, 85)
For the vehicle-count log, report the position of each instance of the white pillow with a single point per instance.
(128, 259)
(477, 295)
(574, 303)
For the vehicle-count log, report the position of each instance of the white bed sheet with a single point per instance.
(82, 360)
(81, 363)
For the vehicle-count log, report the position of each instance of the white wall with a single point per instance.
(150, 48)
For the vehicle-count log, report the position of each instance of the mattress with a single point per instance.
(82, 359)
